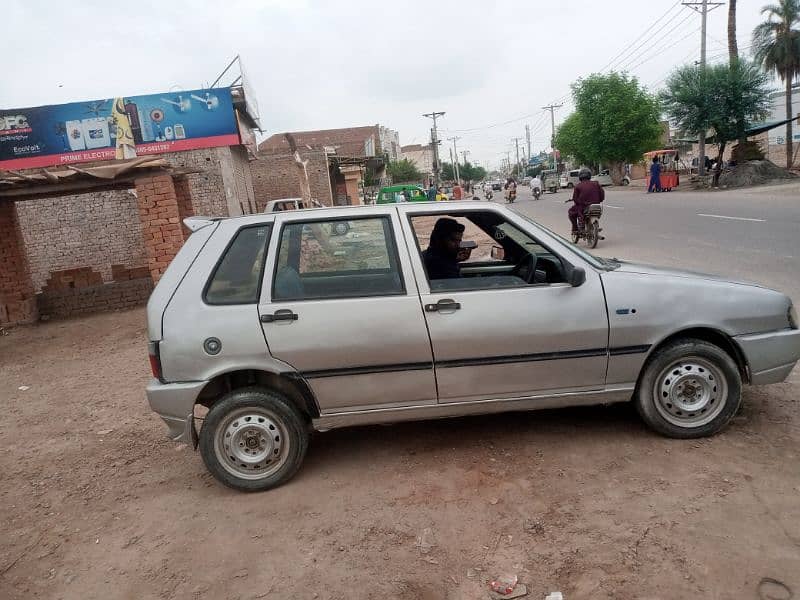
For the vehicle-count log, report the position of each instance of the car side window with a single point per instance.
(337, 259)
(237, 276)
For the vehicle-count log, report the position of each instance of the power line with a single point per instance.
(522, 118)
(652, 56)
(651, 44)
(644, 33)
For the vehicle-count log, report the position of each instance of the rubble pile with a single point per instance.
(754, 172)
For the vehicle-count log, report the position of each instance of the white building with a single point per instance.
(389, 142)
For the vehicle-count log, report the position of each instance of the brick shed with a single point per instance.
(87, 243)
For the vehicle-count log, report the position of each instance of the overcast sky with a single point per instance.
(322, 64)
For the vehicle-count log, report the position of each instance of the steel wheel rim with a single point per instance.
(251, 443)
(690, 392)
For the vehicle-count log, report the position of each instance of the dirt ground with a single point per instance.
(95, 502)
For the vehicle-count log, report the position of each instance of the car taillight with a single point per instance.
(155, 359)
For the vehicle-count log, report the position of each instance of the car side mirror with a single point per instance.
(498, 253)
(577, 277)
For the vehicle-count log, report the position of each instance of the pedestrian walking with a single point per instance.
(655, 176)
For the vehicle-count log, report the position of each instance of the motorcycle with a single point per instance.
(537, 193)
(488, 194)
(511, 195)
(589, 229)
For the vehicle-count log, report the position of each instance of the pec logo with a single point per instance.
(13, 122)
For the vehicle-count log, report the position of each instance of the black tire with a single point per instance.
(281, 419)
(594, 234)
(625, 182)
(570, 185)
(575, 237)
(674, 365)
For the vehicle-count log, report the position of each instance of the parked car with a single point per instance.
(284, 204)
(401, 193)
(604, 178)
(277, 327)
(572, 178)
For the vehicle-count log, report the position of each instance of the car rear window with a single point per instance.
(237, 277)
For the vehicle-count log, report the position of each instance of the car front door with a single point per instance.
(344, 310)
(512, 341)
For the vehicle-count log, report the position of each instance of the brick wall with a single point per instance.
(93, 230)
(160, 218)
(277, 176)
(17, 304)
(207, 188)
(61, 303)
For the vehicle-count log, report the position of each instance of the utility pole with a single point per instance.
(528, 138)
(516, 141)
(454, 139)
(435, 143)
(703, 7)
(552, 108)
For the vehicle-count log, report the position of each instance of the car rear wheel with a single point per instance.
(570, 185)
(253, 439)
(688, 389)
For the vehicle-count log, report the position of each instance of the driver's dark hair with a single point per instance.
(444, 227)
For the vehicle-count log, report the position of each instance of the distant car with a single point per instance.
(572, 178)
(497, 185)
(284, 204)
(603, 178)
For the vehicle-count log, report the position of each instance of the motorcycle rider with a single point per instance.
(587, 192)
(536, 184)
(511, 189)
(487, 190)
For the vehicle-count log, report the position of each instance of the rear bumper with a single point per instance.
(174, 403)
(770, 356)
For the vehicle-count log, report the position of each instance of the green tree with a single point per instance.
(718, 97)
(776, 47)
(403, 171)
(615, 121)
(470, 172)
(448, 173)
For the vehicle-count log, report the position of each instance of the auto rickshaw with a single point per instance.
(669, 168)
(401, 193)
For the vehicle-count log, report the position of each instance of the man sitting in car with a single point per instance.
(441, 258)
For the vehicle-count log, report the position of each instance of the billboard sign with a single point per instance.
(116, 128)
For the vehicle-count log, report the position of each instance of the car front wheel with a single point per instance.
(689, 388)
(253, 439)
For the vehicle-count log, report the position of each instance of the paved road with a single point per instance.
(751, 234)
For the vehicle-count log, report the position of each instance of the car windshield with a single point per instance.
(607, 264)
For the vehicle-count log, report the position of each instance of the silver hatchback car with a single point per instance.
(267, 327)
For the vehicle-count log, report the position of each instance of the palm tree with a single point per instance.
(733, 49)
(776, 46)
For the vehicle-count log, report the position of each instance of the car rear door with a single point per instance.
(344, 310)
(512, 342)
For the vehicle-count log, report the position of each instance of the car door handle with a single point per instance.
(444, 304)
(285, 314)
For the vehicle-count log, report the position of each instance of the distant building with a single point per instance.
(368, 141)
(349, 152)
(421, 156)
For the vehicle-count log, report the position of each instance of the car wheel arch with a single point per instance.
(290, 384)
(707, 334)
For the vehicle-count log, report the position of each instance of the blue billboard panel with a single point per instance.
(116, 128)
